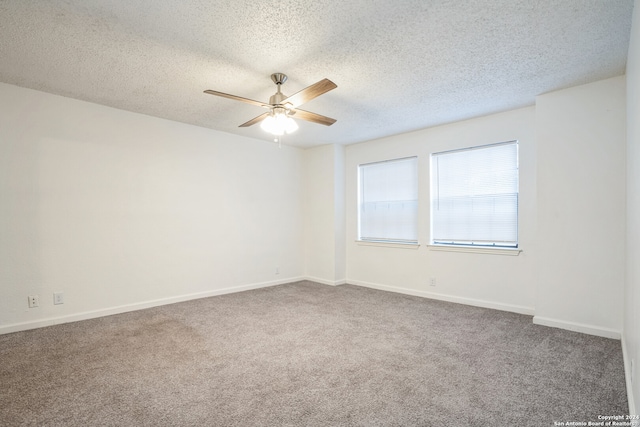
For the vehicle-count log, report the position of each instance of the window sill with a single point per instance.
(388, 244)
(476, 250)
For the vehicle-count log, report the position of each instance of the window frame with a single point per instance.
(389, 242)
(469, 245)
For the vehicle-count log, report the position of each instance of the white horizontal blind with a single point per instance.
(389, 201)
(474, 196)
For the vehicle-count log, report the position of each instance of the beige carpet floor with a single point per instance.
(305, 354)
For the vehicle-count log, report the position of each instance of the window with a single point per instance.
(388, 196)
(474, 196)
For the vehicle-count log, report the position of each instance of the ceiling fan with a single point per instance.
(277, 120)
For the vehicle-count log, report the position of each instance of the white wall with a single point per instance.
(319, 211)
(340, 214)
(324, 214)
(581, 199)
(120, 210)
(631, 337)
(499, 281)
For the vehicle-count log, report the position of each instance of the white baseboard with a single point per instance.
(627, 377)
(326, 282)
(577, 327)
(33, 324)
(450, 298)
(544, 321)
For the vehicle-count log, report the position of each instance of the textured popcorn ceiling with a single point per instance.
(400, 65)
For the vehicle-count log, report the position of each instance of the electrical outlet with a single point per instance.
(432, 281)
(277, 270)
(34, 301)
(58, 298)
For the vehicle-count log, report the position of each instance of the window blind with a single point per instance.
(474, 196)
(389, 201)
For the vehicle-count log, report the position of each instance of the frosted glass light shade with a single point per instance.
(279, 124)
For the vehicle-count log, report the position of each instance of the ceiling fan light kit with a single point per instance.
(277, 121)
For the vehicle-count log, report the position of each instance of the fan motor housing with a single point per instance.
(277, 98)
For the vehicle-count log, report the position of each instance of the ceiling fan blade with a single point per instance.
(313, 117)
(237, 98)
(307, 94)
(255, 120)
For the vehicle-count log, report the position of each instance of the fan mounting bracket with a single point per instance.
(279, 78)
